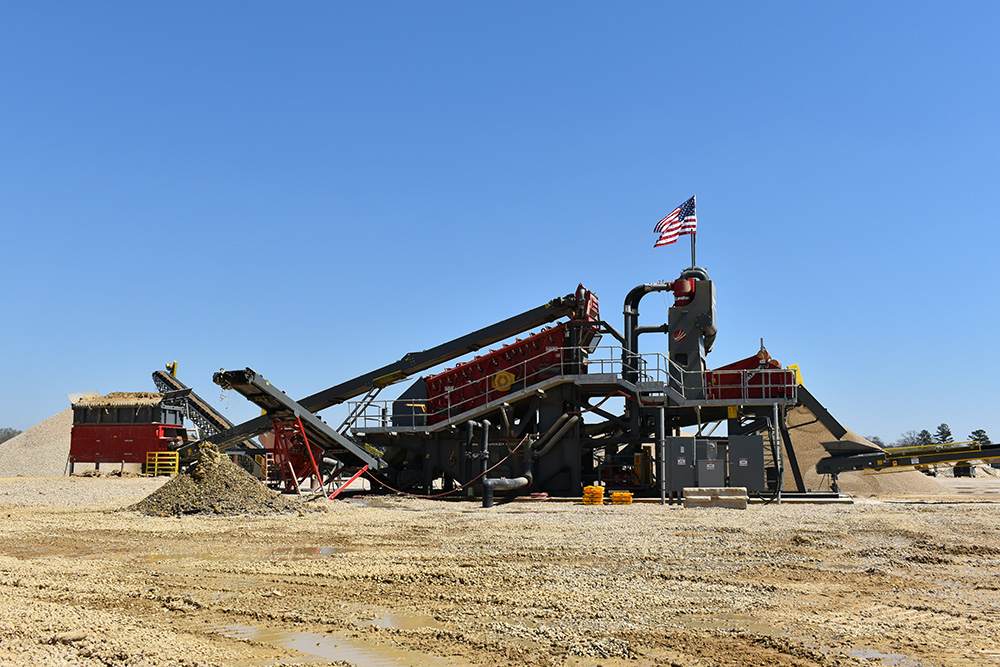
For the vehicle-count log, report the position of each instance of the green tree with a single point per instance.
(943, 434)
(875, 440)
(979, 435)
(6, 433)
(925, 437)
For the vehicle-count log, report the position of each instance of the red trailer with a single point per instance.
(123, 427)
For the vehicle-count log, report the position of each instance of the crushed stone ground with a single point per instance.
(398, 582)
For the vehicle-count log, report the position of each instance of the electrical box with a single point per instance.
(711, 473)
(680, 464)
(710, 463)
(746, 462)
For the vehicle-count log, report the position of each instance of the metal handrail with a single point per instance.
(654, 367)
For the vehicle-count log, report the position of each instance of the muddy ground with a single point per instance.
(385, 581)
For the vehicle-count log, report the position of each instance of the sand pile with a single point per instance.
(41, 451)
(214, 485)
(807, 434)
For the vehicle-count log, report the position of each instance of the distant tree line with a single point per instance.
(940, 436)
(6, 433)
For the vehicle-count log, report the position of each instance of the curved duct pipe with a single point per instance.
(659, 328)
(695, 272)
(469, 437)
(556, 425)
(630, 352)
(505, 484)
(554, 440)
(492, 484)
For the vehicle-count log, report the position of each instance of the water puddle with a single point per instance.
(291, 553)
(402, 621)
(282, 553)
(888, 659)
(333, 647)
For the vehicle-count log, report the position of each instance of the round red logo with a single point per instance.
(680, 334)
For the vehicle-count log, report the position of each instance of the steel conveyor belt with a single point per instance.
(280, 407)
(413, 363)
(205, 417)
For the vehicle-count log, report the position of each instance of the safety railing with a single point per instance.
(727, 386)
(162, 463)
(739, 386)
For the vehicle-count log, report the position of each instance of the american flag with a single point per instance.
(682, 220)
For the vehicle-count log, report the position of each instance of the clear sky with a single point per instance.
(313, 189)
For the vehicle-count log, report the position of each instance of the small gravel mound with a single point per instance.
(214, 485)
(41, 451)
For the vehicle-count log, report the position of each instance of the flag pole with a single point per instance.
(694, 234)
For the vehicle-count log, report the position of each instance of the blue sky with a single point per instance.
(314, 189)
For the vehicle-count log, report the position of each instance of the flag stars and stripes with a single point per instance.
(682, 220)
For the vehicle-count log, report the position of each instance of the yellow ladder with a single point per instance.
(162, 463)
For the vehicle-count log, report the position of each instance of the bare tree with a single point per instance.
(908, 439)
(6, 433)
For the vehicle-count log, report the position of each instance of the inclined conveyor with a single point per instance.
(412, 363)
(280, 408)
(208, 420)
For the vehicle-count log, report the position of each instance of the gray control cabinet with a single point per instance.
(711, 463)
(680, 464)
(716, 463)
(746, 462)
(711, 473)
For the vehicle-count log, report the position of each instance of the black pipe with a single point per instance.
(630, 351)
(570, 423)
(490, 484)
(486, 446)
(660, 328)
(469, 436)
(551, 430)
(694, 272)
(505, 484)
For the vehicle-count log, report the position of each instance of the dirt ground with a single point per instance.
(389, 582)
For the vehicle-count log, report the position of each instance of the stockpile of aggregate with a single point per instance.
(214, 485)
(40, 451)
(119, 398)
(807, 434)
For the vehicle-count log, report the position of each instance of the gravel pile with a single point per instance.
(807, 435)
(119, 398)
(41, 451)
(214, 485)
